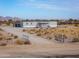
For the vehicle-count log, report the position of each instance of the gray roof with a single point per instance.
(38, 20)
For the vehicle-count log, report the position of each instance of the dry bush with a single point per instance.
(3, 44)
(1, 38)
(9, 38)
(75, 40)
(39, 34)
(15, 37)
(19, 42)
(24, 30)
(60, 37)
(0, 34)
(1, 29)
(68, 33)
(27, 42)
(12, 35)
(49, 38)
(76, 25)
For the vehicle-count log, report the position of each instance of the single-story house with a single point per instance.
(35, 23)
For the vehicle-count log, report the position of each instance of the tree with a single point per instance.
(70, 21)
(9, 22)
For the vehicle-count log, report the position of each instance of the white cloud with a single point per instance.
(50, 7)
(43, 5)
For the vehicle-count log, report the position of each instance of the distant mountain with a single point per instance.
(16, 18)
(2, 18)
(8, 18)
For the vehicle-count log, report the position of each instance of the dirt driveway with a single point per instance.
(33, 39)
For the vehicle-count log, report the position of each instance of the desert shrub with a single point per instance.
(27, 42)
(3, 44)
(31, 33)
(60, 37)
(12, 35)
(57, 37)
(9, 38)
(24, 30)
(49, 37)
(0, 34)
(15, 37)
(76, 25)
(1, 29)
(38, 34)
(75, 40)
(19, 42)
(1, 38)
(8, 23)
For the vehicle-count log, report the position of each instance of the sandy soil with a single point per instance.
(33, 51)
(33, 39)
(40, 50)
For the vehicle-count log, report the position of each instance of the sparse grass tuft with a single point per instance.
(9, 38)
(24, 30)
(27, 42)
(15, 37)
(19, 42)
(60, 34)
(75, 40)
(1, 38)
(1, 29)
(3, 44)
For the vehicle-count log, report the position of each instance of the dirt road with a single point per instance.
(35, 51)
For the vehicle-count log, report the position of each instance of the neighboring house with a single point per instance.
(36, 23)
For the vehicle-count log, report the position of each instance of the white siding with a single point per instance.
(29, 24)
(34, 24)
(53, 24)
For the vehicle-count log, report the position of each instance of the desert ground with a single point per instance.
(39, 47)
(63, 34)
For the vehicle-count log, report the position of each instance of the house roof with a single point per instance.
(20, 21)
(38, 20)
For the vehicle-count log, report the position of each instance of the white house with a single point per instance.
(36, 23)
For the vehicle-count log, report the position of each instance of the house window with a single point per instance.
(26, 23)
(17, 25)
(31, 23)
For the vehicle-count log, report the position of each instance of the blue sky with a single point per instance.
(43, 9)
